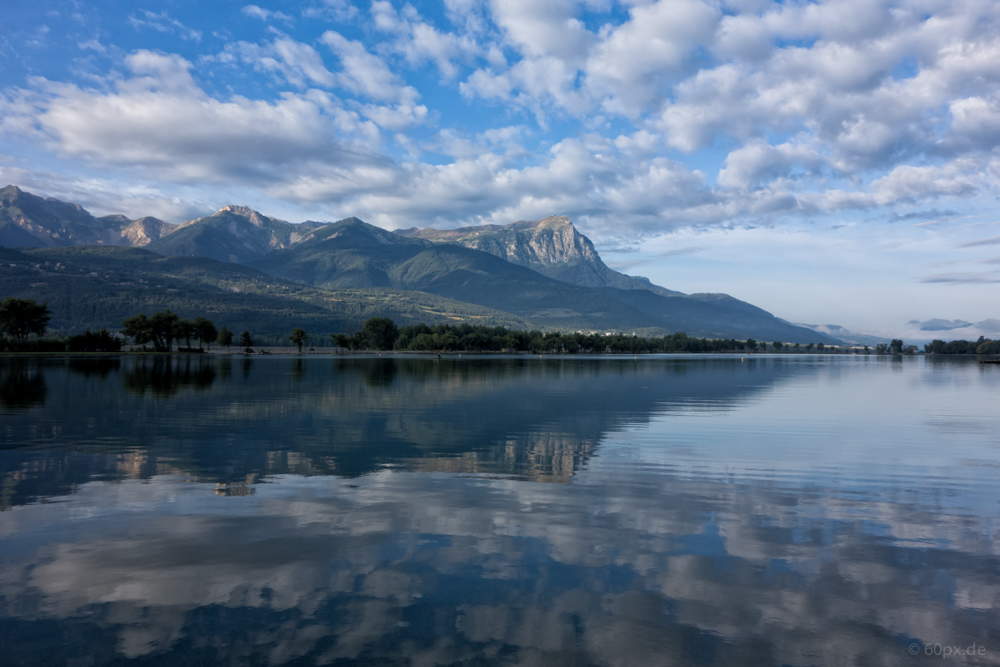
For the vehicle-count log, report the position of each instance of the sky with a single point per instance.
(833, 162)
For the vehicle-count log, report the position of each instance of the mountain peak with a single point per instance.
(551, 222)
(54, 223)
(257, 219)
(552, 246)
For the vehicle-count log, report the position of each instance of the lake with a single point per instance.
(664, 510)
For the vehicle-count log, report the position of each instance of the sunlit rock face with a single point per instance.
(552, 246)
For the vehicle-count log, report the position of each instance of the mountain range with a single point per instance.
(542, 273)
(29, 220)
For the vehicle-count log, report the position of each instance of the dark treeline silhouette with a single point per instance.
(982, 346)
(382, 334)
(163, 328)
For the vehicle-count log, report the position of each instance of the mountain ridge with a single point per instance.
(540, 272)
(552, 246)
(29, 220)
(352, 253)
(232, 234)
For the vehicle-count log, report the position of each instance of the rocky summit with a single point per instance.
(232, 234)
(551, 246)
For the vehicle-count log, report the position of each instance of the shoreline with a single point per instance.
(292, 352)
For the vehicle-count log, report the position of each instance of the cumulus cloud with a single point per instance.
(365, 73)
(420, 42)
(544, 29)
(759, 162)
(656, 115)
(297, 63)
(633, 64)
(191, 137)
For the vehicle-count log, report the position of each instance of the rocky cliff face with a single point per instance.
(540, 243)
(552, 246)
(140, 233)
(29, 220)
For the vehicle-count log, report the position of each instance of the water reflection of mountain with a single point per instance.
(638, 562)
(528, 418)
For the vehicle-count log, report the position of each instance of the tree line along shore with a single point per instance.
(23, 323)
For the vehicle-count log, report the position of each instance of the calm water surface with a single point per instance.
(672, 510)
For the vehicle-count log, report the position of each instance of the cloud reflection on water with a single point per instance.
(658, 556)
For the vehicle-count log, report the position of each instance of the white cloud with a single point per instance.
(420, 42)
(759, 162)
(634, 62)
(544, 29)
(795, 109)
(297, 63)
(162, 22)
(332, 10)
(265, 14)
(191, 137)
(365, 73)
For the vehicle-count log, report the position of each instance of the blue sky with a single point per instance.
(833, 162)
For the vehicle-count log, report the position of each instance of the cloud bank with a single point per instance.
(818, 108)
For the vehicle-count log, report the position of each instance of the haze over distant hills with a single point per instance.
(543, 273)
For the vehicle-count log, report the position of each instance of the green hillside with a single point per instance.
(96, 287)
(353, 254)
(716, 316)
(234, 234)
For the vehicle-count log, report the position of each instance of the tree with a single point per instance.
(97, 341)
(138, 329)
(343, 340)
(205, 331)
(751, 345)
(246, 342)
(298, 337)
(225, 337)
(184, 329)
(380, 333)
(163, 328)
(988, 347)
(777, 345)
(896, 346)
(809, 347)
(21, 317)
